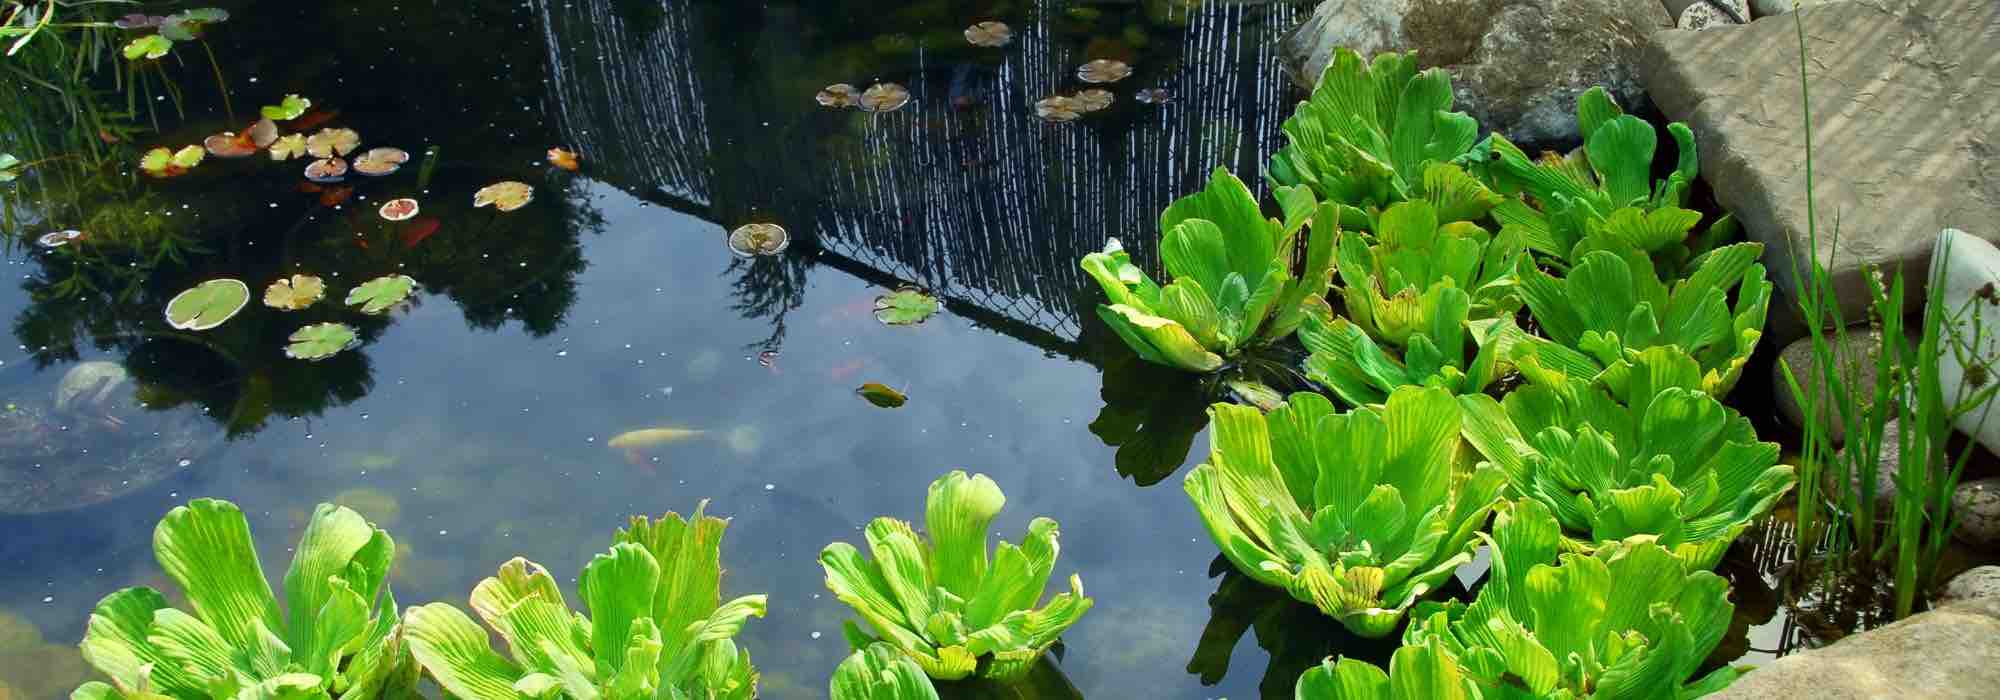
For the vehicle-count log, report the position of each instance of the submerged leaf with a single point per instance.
(326, 170)
(564, 159)
(884, 97)
(905, 307)
(207, 305)
(504, 196)
(287, 109)
(382, 293)
(378, 162)
(1094, 99)
(750, 240)
(320, 341)
(294, 293)
(1103, 70)
(1058, 108)
(881, 395)
(989, 34)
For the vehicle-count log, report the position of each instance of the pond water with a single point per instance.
(474, 423)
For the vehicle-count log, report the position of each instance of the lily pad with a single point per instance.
(161, 162)
(320, 341)
(327, 143)
(229, 144)
(378, 162)
(398, 209)
(989, 34)
(884, 97)
(264, 132)
(1154, 96)
(504, 196)
(838, 96)
(149, 47)
(381, 294)
(207, 305)
(294, 293)
(288, 147)
(58, 239)
(1094, 99)
(10, 167)
(905, 307)
(287, 109)
(1058, 109)
(564, 158)
(752, 240)
(326, 170)
(882, 396)
(1103, 70)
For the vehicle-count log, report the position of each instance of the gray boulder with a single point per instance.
(1945, 653)
(1853, 354)
(1976, 504)
(1966, 275)
(1518, 65)
(1974, 583)
(1906, 124)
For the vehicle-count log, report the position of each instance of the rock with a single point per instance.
(1770, 8)
(1888, 458)
(1944, 653)
(1907, 141)
(1973, 584)
(1517, 65)
(1968, 269)
(1854, 354)
(1976, 505)
(1702, 14)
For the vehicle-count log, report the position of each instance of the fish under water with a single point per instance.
(653, 437)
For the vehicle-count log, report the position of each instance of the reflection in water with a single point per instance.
(1241, 604)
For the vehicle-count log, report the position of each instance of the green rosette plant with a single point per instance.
(1386, 279)
(656, 626)
(1377, 133)
(1416, 672)
(1630, 621)
(1232, 284)
(1613, 301)
(1357, 513)
(944, 602)
(1643, 451)
(335, 636)
(1455, 353)
(880, 671)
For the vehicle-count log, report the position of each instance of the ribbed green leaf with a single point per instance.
(879, 672)
(453, 649)
(617, 588)
(205, 547)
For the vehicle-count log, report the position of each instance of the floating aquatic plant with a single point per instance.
(148, 47)
(1154, 96)
(377, 162)
(838, 96)
(564, 159)
(751, 240)
(398, 209)
(1094, 99)
(320, 341)
(335, 634)
(207, 305)
(989, 34)
(944, 602)
(58, 239)
(504, 196)
(1423, 671)
(1358, 514)
(326, 170)
(905, 307)
(327, 143)
(1058, 108)
(163, 163)
(287, 109)
(880, 672)
(288, 147)
(10, 167)
(381, 294)
(884, 97)
(1103, 70)
(230, 144)
(295, 292)
(882, 395)
(656, 626)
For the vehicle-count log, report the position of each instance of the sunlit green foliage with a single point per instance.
(1357, 513)
(1416, 672)
(880, 672)
(1641, 451)
(334, 636)
(656, 627)
(944, 602)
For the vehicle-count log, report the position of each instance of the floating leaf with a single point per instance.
(1058, 109)
(10, 167)
(905, 307)
(149, 47)
(382, 293)
(882, 396)
(229, 145)
(320, 341)
(294, 293)
(504, 196)
(752, 240)
(989, 34)
(1103, 70)
(326, 170)
(564, 159)
(327, 143)
(161, 162)
(58, 239)
(207, 305)
(884, 97)
(1154, 96)
(287, 109)
(398, 209)
(837, 96)
(381, 161)
(288, 147)
(264, 133)
(1093, 99)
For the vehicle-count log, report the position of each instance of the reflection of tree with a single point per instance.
(1151, 413)
(769, 288)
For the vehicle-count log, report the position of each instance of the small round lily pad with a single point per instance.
(751, 240)
(320, 341)
(399, 209)
(326, 170)
(905, 307)
(381, 294)
(837, 96)
(504, 196)
(884, 97)
(1103, 70)
(327, 143)
(207, 305)
(1058, 108)
(295, 292)
(1094, 99)
(380, 161)
(989, 34)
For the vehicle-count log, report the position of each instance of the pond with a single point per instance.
(475, 423)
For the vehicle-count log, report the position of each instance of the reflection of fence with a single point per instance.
(988, 206)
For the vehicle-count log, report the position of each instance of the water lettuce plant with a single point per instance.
(1614, 301)
(880, 671)
(656, 626)
(1232, 284)
(1451, 352)
(1386, 278)
(1644, 451)
(334, 637)
(1369, 135)
(1357, 513)
(944, 602)
(1652, 619)
(1416, 672)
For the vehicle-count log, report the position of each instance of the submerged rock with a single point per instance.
(1944, 653)
(91, 441)
(1976, 504)
(1518, 67)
